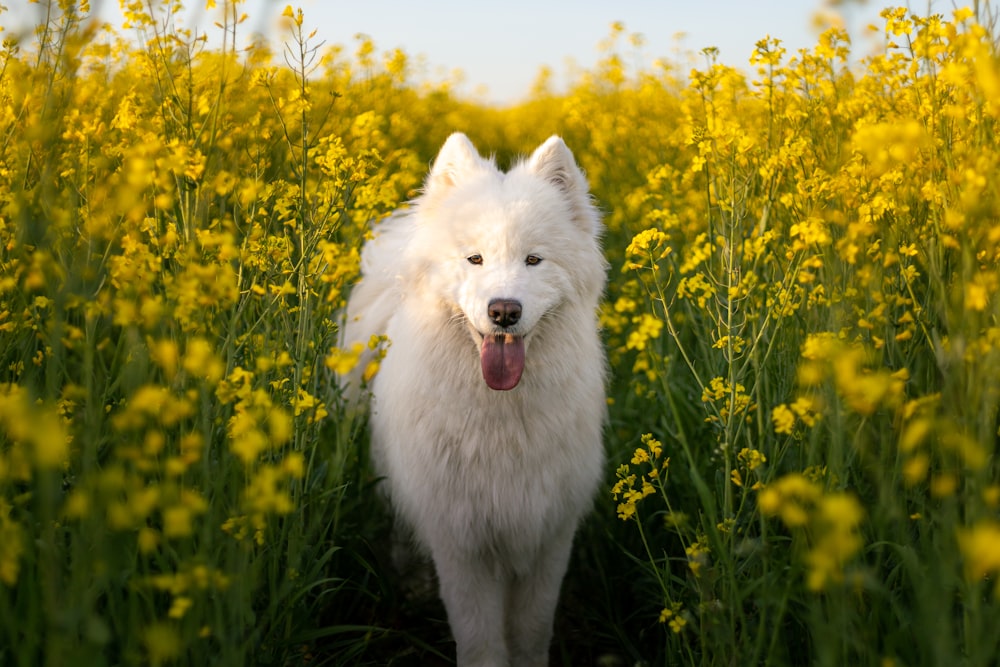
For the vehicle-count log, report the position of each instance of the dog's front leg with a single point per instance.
(473, 595)
(532, 601)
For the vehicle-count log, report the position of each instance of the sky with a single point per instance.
(500, 45)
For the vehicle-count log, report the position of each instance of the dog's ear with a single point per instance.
(554, 162)
(457, 159)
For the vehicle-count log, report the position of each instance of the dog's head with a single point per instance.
(506, 251)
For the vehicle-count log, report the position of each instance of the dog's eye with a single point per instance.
(532, 260)
(475, 259)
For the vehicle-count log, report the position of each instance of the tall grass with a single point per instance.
(801, 321)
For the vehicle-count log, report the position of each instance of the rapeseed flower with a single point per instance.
(630, 487)
(980, 548)
(783, 419)
(674, 617)
(828, 521)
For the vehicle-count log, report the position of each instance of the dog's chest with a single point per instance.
(493, 471)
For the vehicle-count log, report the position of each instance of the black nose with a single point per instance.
(505, 312)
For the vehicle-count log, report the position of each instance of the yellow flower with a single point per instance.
(991, 496)
(915, 468)
(654, 446)
(807, 409)
(201, 361)
(646, 243)
(976, 296)
(980, 547)
(829, 521)
(673, 616)
(162, 642)
(247, 439)
(751, 458)
(177, 520)
(943, 485)
(166, 355)
(784, 419)
(820, 346)
(266, 494)
(294, 14)
(626, 510)
(38, 432)
(342, 361)
(697, 555)
(371, 370)
(649, 328)
(179, 607)
(148, 540)
(306, 402)
(737, 343)
(791, 497)
(696, 287)
(294, 465)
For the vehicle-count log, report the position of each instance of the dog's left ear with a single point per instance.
(554, 162)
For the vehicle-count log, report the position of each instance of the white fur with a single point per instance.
(492, 484)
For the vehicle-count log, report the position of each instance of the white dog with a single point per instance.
(488, 409)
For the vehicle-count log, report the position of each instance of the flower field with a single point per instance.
(801, 320)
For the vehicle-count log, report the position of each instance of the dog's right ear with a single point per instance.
(457, 159)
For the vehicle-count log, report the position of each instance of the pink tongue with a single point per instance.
(502, 358)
